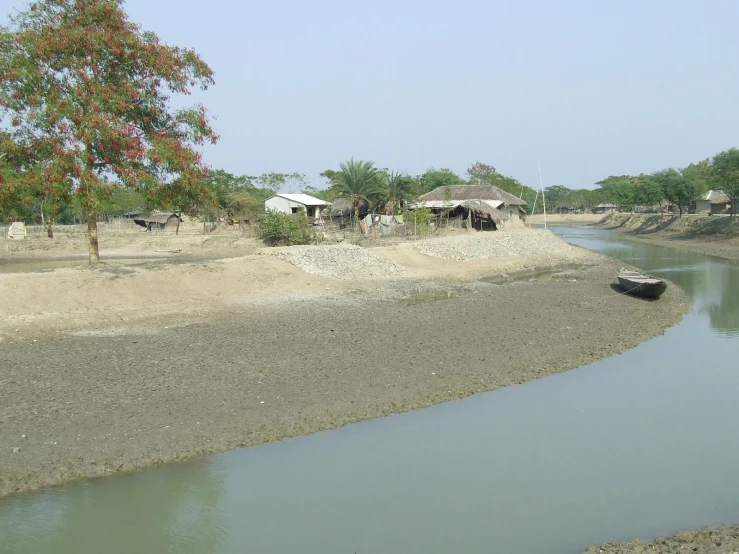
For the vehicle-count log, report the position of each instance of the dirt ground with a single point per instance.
(724, 540)
(714, 236)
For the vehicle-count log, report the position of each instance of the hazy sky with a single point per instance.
(587, 88)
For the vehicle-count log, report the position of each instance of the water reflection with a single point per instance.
(725, 312)
(169, 509)
(711, 284)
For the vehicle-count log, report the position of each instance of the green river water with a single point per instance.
(637, 445)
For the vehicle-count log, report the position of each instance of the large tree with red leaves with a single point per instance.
(85, 104)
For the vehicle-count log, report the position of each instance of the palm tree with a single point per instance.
(357, 181)
(398, 189)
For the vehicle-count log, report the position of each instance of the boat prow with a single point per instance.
(641, 284)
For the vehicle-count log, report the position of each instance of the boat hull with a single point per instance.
(642, 289)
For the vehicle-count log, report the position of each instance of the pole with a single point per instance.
(543, 198)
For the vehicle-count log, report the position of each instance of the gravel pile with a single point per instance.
(485, 246)
(344, 261)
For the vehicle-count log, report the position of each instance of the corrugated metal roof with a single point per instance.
(305, 199)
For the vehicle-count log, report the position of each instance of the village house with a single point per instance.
(605, 209)
(293, 203)
(480, 206)
(713, 202)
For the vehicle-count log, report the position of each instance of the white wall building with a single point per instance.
(292, 203)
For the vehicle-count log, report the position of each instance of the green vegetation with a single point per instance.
(726, 174)
(358, 181)
(280, 229)
(86, 94)
(677, 187)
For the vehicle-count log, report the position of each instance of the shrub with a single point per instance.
(280, 229)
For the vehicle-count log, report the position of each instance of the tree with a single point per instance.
(726, 173)
(556, 196)
(357, 181)
(620, 190)
(679, 187)
(87, 97)
(220, 185)
(481, 174)
(647, 191)
(435, 178)
(397, 189)
(277, 182)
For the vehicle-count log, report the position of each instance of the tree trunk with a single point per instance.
(177, 229)
(92, 238)
(50, 230)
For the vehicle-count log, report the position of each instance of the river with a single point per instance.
(637, 445)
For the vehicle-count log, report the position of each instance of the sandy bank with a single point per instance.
(75, 299)
(714, 236)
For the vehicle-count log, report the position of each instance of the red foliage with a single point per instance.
(99, 88)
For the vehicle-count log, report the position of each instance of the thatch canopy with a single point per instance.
(160, 219)
(459, 193)
(344, 207)
(716, 197)
(485, 209)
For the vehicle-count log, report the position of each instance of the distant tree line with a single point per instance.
(677, 187)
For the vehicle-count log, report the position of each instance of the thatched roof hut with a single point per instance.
(484, 211)
(158, 221)
(343, 208)
(455, 194)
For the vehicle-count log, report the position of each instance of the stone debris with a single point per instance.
(485, 246)
(343, 261)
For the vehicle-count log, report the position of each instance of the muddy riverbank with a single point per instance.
(716, 236)
(99, 401)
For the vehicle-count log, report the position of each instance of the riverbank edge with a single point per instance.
(675, 297)
(717, 237)
(709, 540)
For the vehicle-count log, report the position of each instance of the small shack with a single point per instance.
(713, 202)
(293, 203)
(159, 221)
(479, 215)
(605, 209)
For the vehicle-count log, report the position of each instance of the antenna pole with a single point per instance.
(543, 198)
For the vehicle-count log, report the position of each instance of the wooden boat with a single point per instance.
(641, 284)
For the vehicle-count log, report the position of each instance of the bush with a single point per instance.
(280, 229)
(418, 221)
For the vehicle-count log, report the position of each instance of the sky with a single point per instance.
(584, 88)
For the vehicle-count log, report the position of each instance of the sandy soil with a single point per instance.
(724, 540)
(714, 236)
(74, 299)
